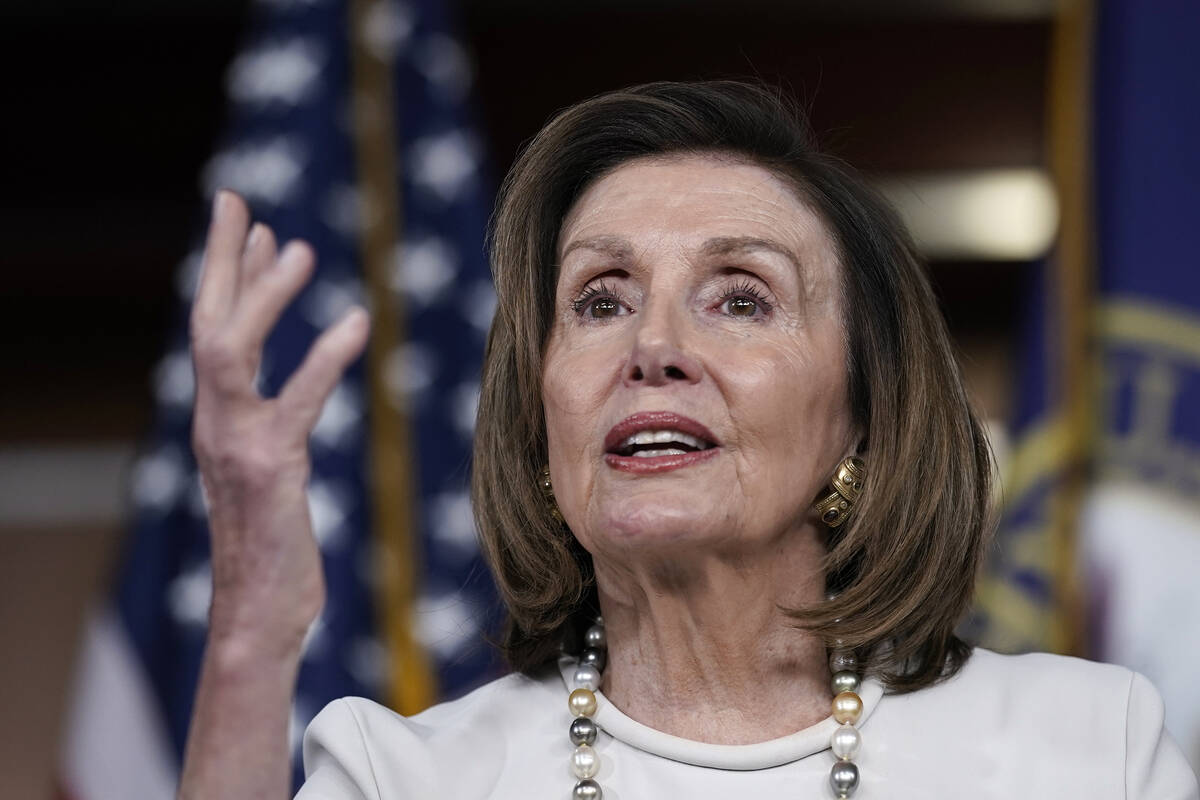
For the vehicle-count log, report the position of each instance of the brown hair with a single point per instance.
(904, 565)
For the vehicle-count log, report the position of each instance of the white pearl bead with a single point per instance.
(585, 761)
(587, 677)
(845, 742)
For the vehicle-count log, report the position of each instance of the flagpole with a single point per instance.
(1069, 138)
(411, 684)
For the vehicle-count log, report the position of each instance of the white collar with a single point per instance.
(762, 755)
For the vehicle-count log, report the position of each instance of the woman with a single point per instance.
(751, 452)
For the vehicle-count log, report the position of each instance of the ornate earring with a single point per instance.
(847, 485)
(548, 493)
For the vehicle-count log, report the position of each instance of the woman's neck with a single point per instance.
(704, 650)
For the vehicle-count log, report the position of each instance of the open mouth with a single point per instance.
(667, 442)
(661, 438)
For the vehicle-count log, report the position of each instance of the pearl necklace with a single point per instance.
(585, 761)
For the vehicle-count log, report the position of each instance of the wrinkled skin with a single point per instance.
(770, 384)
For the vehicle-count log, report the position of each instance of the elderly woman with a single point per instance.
(728, 481)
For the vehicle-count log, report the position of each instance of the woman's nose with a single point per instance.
(660, 353)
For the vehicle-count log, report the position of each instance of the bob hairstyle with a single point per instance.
(903, 566)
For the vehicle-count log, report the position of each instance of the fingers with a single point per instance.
(260, 253)
(222, 258)
(334, 351)
(260, 307)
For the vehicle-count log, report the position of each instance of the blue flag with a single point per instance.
(1140, 528)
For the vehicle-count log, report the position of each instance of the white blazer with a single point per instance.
(1024, 727)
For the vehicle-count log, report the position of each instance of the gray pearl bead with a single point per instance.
(845, 681)
(594, 637)
(587, 789)
(842, 661)
(594, 657)
(583, 731)
(843, 778)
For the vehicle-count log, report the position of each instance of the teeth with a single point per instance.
(664, 437)
(669, 451)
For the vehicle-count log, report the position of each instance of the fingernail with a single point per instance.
(293, 253)
(222, 202)
(256, 231)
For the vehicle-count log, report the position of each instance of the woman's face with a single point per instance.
(694, 381)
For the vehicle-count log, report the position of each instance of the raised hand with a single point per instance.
(268, 586)
(253, 451)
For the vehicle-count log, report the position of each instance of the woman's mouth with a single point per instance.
(655, 441)
(649, 444)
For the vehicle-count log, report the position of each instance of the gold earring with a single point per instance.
(847, 485)
(548, 493)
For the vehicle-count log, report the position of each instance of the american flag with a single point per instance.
(348, 126)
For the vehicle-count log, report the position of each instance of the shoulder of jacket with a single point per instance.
(509, 695)
(1034, 669)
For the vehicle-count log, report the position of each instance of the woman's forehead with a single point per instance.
(703, 203)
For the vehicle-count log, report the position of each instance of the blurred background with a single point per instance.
(1044, 155)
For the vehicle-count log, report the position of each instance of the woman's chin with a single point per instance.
(644, 523)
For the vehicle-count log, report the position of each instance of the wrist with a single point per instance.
(249, 636)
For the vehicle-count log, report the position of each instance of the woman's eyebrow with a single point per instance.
(612, 246)
(733, 245)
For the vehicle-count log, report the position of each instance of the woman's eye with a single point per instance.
(741, 307)
(746, 299)
(599, 302)
(603, 307)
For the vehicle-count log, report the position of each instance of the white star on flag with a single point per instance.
(327, 505)
(265, 171)
(345, 210)
(327, 300)
(444, 164)
(190, 595)
(283, 72)
(480, 305)
(423, 268)
(313, 646)
(175, 380)
(445, 63)
(465, 407)
(367, 660)
(298, 720)
(158, 478)
(339, 418)
(409, 372)
(454, 524)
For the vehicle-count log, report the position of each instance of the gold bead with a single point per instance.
(582, 702)
(847, 708)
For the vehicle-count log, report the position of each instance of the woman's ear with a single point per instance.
(858, 445)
